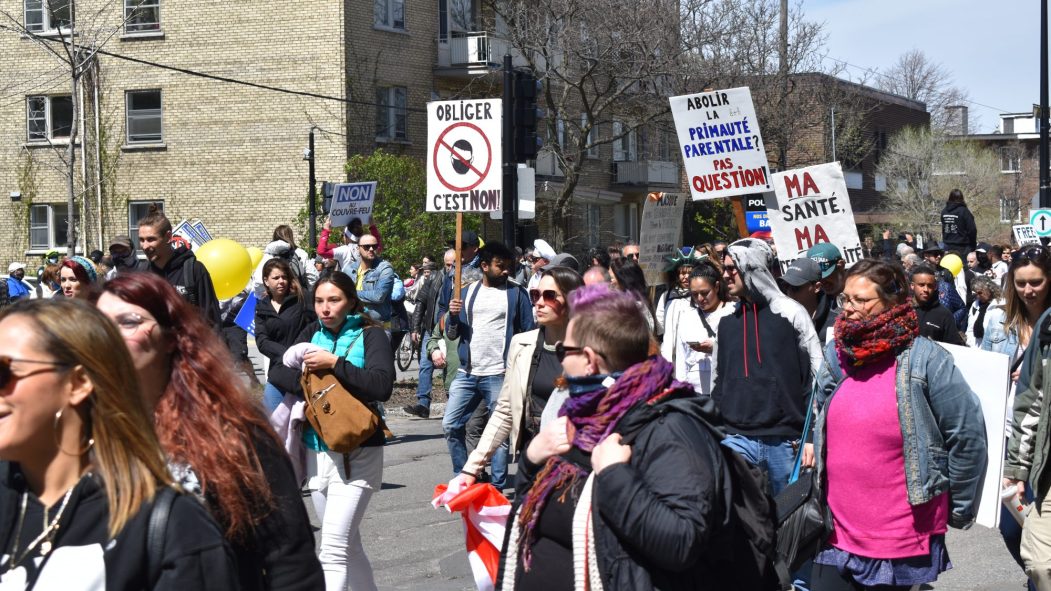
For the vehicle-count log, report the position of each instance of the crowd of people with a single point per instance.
(137, 453)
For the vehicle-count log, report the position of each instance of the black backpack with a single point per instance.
(293, 260)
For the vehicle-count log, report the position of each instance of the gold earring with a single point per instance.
(58, 442)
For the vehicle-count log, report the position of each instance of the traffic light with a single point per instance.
(526, 116)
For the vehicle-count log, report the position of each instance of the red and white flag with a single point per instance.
(484, 512)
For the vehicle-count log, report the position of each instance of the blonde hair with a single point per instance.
(126, 453)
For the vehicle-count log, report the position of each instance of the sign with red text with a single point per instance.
(464, 160)
(721, 147)
(813, 207)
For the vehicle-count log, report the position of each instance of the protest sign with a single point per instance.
(660, 233)
(722, 149)
(186, 230)
(465, 162)
(202, 232)
(987, 373)
(812, 206)
(352, 201)
(1026, 234)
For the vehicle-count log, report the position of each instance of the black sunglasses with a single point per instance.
(1029, 253)
(562, 350)
(6, 375)
(550, 296)
(632, 255)
(368, 246)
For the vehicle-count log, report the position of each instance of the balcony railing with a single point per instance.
(648, 172)
(547, 165)
(476, 49)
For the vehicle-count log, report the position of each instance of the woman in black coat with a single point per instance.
(279, 317)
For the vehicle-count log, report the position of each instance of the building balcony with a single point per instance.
(470, 54)
(547, 165)
(647, 172)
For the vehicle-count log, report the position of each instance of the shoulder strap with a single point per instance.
(157, 530)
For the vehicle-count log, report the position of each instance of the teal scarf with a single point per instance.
(349, 344)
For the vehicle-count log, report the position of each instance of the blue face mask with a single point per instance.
(580, 385)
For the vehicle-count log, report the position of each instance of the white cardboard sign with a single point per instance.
(464, 159)
(1026, 234)
(720, 143)
(352, 201)
(660, 233)
(812, 206)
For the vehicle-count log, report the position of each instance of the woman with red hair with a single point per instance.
(219, 444)
(77, 277)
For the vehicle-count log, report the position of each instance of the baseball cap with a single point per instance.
(563, 259)
(120, 240)
(802, 271)
(467, 238)
(15, 266)
(826, 255)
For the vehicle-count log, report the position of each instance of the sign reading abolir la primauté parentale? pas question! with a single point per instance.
(721, 146)
(464, 160)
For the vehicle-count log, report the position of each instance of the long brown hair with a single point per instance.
(126, 454)
(205, 417)
(1014, 309)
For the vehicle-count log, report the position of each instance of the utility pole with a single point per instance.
(1045, 183)
(510, 191)
(312, 194)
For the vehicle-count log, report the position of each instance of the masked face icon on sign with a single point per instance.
(462, 156)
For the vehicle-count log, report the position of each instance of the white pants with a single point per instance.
(340, 504)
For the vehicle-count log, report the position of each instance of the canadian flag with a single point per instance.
(484, 512)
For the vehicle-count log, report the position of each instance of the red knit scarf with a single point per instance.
(864, 341)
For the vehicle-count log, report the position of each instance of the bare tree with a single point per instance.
(916, 77)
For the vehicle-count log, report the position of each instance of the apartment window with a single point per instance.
(1010, 160)
(391, 116)
(623, 143)
(626, 222)
(594, 216)
(136, 211)
(142, 16)
(390, 14)
(1010, 212)
(48, 16)
(48, 225)
(144, 116)
(49, 118)
(592, 149)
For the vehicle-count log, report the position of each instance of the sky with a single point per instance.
(992, 49)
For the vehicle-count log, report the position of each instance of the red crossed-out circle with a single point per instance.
(441, 143)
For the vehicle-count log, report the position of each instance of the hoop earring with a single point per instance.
(58, 443)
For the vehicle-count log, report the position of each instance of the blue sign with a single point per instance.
(246, 317)
(757, 221)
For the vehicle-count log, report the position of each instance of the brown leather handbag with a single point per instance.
(341, 420)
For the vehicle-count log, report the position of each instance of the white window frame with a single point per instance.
(144, 7)
(1010, 160)
(136, 211)
(46, 116)
(592, 149)
(1006, 205)
(45, 26)
(49, 225)
(625, 149)
(385, 14)
(140, 115)
(389, 113)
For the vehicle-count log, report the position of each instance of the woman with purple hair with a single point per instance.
(628, 487)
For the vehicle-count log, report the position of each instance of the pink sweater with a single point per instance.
(866, 472)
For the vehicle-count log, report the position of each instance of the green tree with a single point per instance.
(408, 231)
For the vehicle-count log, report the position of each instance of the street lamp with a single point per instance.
(308, 155)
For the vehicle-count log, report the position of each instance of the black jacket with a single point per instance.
(937, 323)
(825, 316)
(195, 556)
(664, 519)
(427, 303)
(276, 331)
(189, 277)
(372, 383)
(959, 232)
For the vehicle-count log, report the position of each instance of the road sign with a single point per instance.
(465, 163)
(1040, 219)
(526, 195)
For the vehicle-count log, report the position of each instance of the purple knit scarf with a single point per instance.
(595, 414)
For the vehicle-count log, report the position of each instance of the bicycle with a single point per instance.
(406, 351)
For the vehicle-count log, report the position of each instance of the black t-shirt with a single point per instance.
(552, 564)
(547, 370)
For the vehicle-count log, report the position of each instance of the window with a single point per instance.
(594, 216)
(592, 149)
(144, 116)
(623, 143)
(391, 117)
(136, 211)
(390, 14)
(142, 16)
(49, 118)
(48, 225)
(48, 16)
(1010, 212)
(1010, 160)
(626, 222)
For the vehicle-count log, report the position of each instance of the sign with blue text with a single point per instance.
(352, 201)
(720, 144)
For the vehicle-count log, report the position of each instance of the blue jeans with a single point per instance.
(773, 455)
(423, 389)
(272, 398)
(465, 393)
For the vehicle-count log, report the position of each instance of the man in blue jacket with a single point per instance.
(374, 278)
(484, 317)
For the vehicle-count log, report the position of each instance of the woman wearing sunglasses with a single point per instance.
(82, 466)
(532, 369)
(692, 325)
(218, 443)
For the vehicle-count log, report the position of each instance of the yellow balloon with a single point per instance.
(256, 254)
(228, 263)
(953, 263)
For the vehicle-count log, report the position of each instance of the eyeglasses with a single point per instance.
(550, 296)
(632, 255)
(129, 322)
(6, 375)
(843, 300)
(1030, 253)
(562, 350)
(368, 246)
(729, 270)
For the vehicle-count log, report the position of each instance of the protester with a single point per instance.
(626, 275)
(422, 327)
(959, 232)
(122, 256)
(676, 285)
(598, 257)
(630, 251)
(77, 276)
(17, 288)
(935, 320)
(541, 257)
(47, 285)
(219, 445)
(986, 291)
(767, 355)
(374, 280)
(596, 275)
(997, 263)
(83, 469)
(533, 369)
(833, 274)
(896, 399)
(280, 316)
(346, 255)
(649, 515)
(802, 283)
(692, 324)
(350, 343)
(484, 318)
(282, 245)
